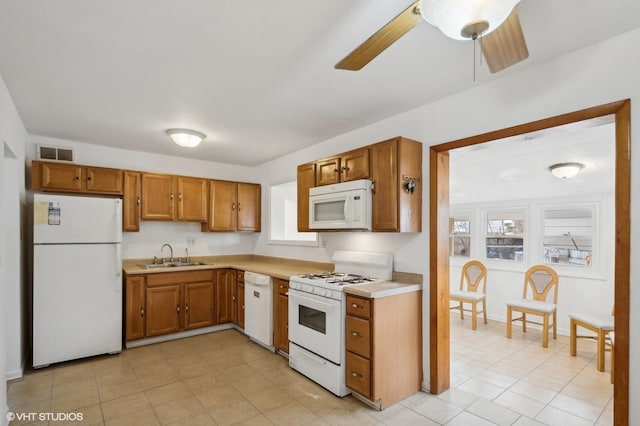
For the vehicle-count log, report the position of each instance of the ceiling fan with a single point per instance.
(494, 22)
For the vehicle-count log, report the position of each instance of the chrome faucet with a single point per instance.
(186, 252)
(170, 250)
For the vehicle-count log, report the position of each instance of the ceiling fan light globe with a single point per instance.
(452, 16)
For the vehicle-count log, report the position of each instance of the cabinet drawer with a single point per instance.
(164, 278)
(359, 374)
(281, 286)
(358, 307)
(358, 336)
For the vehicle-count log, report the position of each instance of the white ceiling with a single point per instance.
(257, 77)
(516, 168)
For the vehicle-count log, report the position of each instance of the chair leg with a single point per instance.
(573, 337)
(545, 331)
(612, 360)
(524, 322)
(484, 310)
(509, 312)
(461, 311)
(555, 329)
(600, 353)
(474, 315)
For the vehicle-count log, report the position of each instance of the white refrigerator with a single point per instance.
(77, 277)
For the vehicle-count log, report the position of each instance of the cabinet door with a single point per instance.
(131, 201)
(134, 308)
(198, 305)
(306, 178)
(225, 287)
(163, 310)
(354, 165)
(192, 199)
(248, 207)
(61, 177)
(384, 173)
(222, 207)
(328, 171)
(240, 304)
(158, 196)
(281, 315)
(104, 181)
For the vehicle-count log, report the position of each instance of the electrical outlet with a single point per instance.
(191, 242)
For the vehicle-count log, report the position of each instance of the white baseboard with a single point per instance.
(180, 335)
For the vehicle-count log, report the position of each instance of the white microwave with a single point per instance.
(345, 205)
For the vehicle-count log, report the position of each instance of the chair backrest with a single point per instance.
(473, 274)
(541, 279)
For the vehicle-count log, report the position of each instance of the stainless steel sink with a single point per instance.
(171, 265)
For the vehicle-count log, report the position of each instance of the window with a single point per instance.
(284, 217)
(568, 236)
(460, 236)
(505, 236)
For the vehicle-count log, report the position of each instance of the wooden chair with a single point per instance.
(613, 350)
(472, 278)
(542, 280)
(601, 325)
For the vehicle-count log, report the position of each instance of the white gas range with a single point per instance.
(317, 315)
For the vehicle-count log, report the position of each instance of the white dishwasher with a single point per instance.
(258, 312)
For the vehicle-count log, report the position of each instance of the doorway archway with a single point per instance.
(439, 243)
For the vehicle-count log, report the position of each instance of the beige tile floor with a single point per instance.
(223, 379)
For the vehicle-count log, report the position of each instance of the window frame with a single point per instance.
(287, 242)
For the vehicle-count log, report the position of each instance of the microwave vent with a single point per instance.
(52, 153)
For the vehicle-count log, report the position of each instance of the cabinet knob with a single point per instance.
(354, 305)
(354, 374)
(373, 186)
(141, 312)
(138, 200)
(88, 177)
(179, 196)
(186, 309)
(77, 177)
(356, 334)
(171, 195)
(335, 170)
(233, 206)
(239, 206)
(178, 308)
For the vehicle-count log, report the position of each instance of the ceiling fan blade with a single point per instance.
(382, 39)
(505, 46)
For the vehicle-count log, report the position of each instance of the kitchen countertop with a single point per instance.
(382, 289)
(277, 267)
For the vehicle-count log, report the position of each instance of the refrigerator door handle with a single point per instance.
(118, 269)
(117, 232)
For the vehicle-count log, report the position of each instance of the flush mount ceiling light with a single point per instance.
(186, 137)
(566, 170)
(464, 19)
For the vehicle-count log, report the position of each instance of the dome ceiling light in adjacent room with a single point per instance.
(185, 137)
(565, 170)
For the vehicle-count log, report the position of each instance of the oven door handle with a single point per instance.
(298, 295)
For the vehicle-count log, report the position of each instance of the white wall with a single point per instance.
(13, 138)
(599, 74)
(584, 290)
(152, 235)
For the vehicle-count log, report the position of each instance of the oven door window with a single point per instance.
(312, 318)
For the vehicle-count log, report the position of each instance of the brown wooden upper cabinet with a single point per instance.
(351, 165)
(169, 197)
(233, 206)
(306, 179)
(391, 166)
(61, 177)
(394, 164)
(131, 201)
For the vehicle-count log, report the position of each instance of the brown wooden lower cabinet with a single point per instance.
(226, 299)
(163, 303)
(384, 346)
(240, 299)
(281, 315)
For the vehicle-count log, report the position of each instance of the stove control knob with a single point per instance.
(322, 292)
(328, 293)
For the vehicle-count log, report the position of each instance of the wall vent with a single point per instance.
(52, 153)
